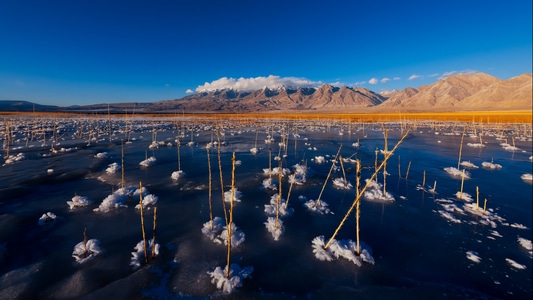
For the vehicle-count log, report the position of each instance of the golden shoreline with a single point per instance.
(518, 116)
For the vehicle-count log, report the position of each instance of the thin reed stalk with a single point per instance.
(408, 168)
(142, 222)
(154, 232)
(221, 179)
(343, 172)
(462, 184)
(230, 225)
(210, 193)
(358, 206)
(461, 148)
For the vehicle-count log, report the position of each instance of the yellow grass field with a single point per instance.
(522, 116)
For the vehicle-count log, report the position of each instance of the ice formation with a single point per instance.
(138, 255)
(375, 192)
(112, 168)
(78, 201)
(320, 208)
(514, 264)
(117, 199)
(270, 209)
(237, 236)
(269, 183)
(236, 276)
(148, 201)
(300, 174)
(341, 184)
(456, 172)
(491, 165)
(275, 171)
(212, 229)
(177, 175)
(86, 252)
(527, 177)
(464, 196)
(473, 256)
(276, 228)
(150, 161)
(342, 249)
(468, 164)
(47, 218)
(14, 158)
(319, 159)
(102, 155)
(526, 244)
(236, 197)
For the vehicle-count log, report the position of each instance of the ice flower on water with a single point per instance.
(84, 252)
(341, 184)
(148, 201)
(236, 276)
(375, 192)
(138, 255)
(78, 201)
(212, 229)
(117, 199)
(47, 218)
(276, 228)
(236, 197)
(237, 236)
(319, 207)
(473, 256)
(177, 174)
(270, 209)
(102, 155)
(491, 165)
(342, 249)
(457, 173)
(112, 168)
(150, 161)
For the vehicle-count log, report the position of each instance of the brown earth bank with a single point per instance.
(516, 116)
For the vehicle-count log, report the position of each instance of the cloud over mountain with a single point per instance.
(256, 83)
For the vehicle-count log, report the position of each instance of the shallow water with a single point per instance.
(417, 252)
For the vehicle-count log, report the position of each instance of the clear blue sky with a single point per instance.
(65, 52)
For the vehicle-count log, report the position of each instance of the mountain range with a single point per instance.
(464, 92)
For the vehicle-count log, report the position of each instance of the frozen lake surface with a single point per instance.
(424, 243)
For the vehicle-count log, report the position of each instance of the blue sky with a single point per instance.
(96, 51)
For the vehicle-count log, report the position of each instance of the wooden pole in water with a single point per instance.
(221, 179)
(142, 221)
(461, 148)
(477, 197)
(230, 225)
(357, 207)
(408, 168)
(385, 153)
(154, 232)
(424, 180)
(462, 184)
(210, 189)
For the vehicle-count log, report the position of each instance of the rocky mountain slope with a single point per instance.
(464, 92)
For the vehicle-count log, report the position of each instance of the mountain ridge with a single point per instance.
(463, 92)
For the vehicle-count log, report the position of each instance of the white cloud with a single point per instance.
(252, 84)
(189, 91)
(167, 84)
(359, 83)
(385, 79)
(373, 81)
(414, 76)
(396, 78)
(451, 73)
(434, 75)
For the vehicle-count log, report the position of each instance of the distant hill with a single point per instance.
(464, 92)
(24, 106)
